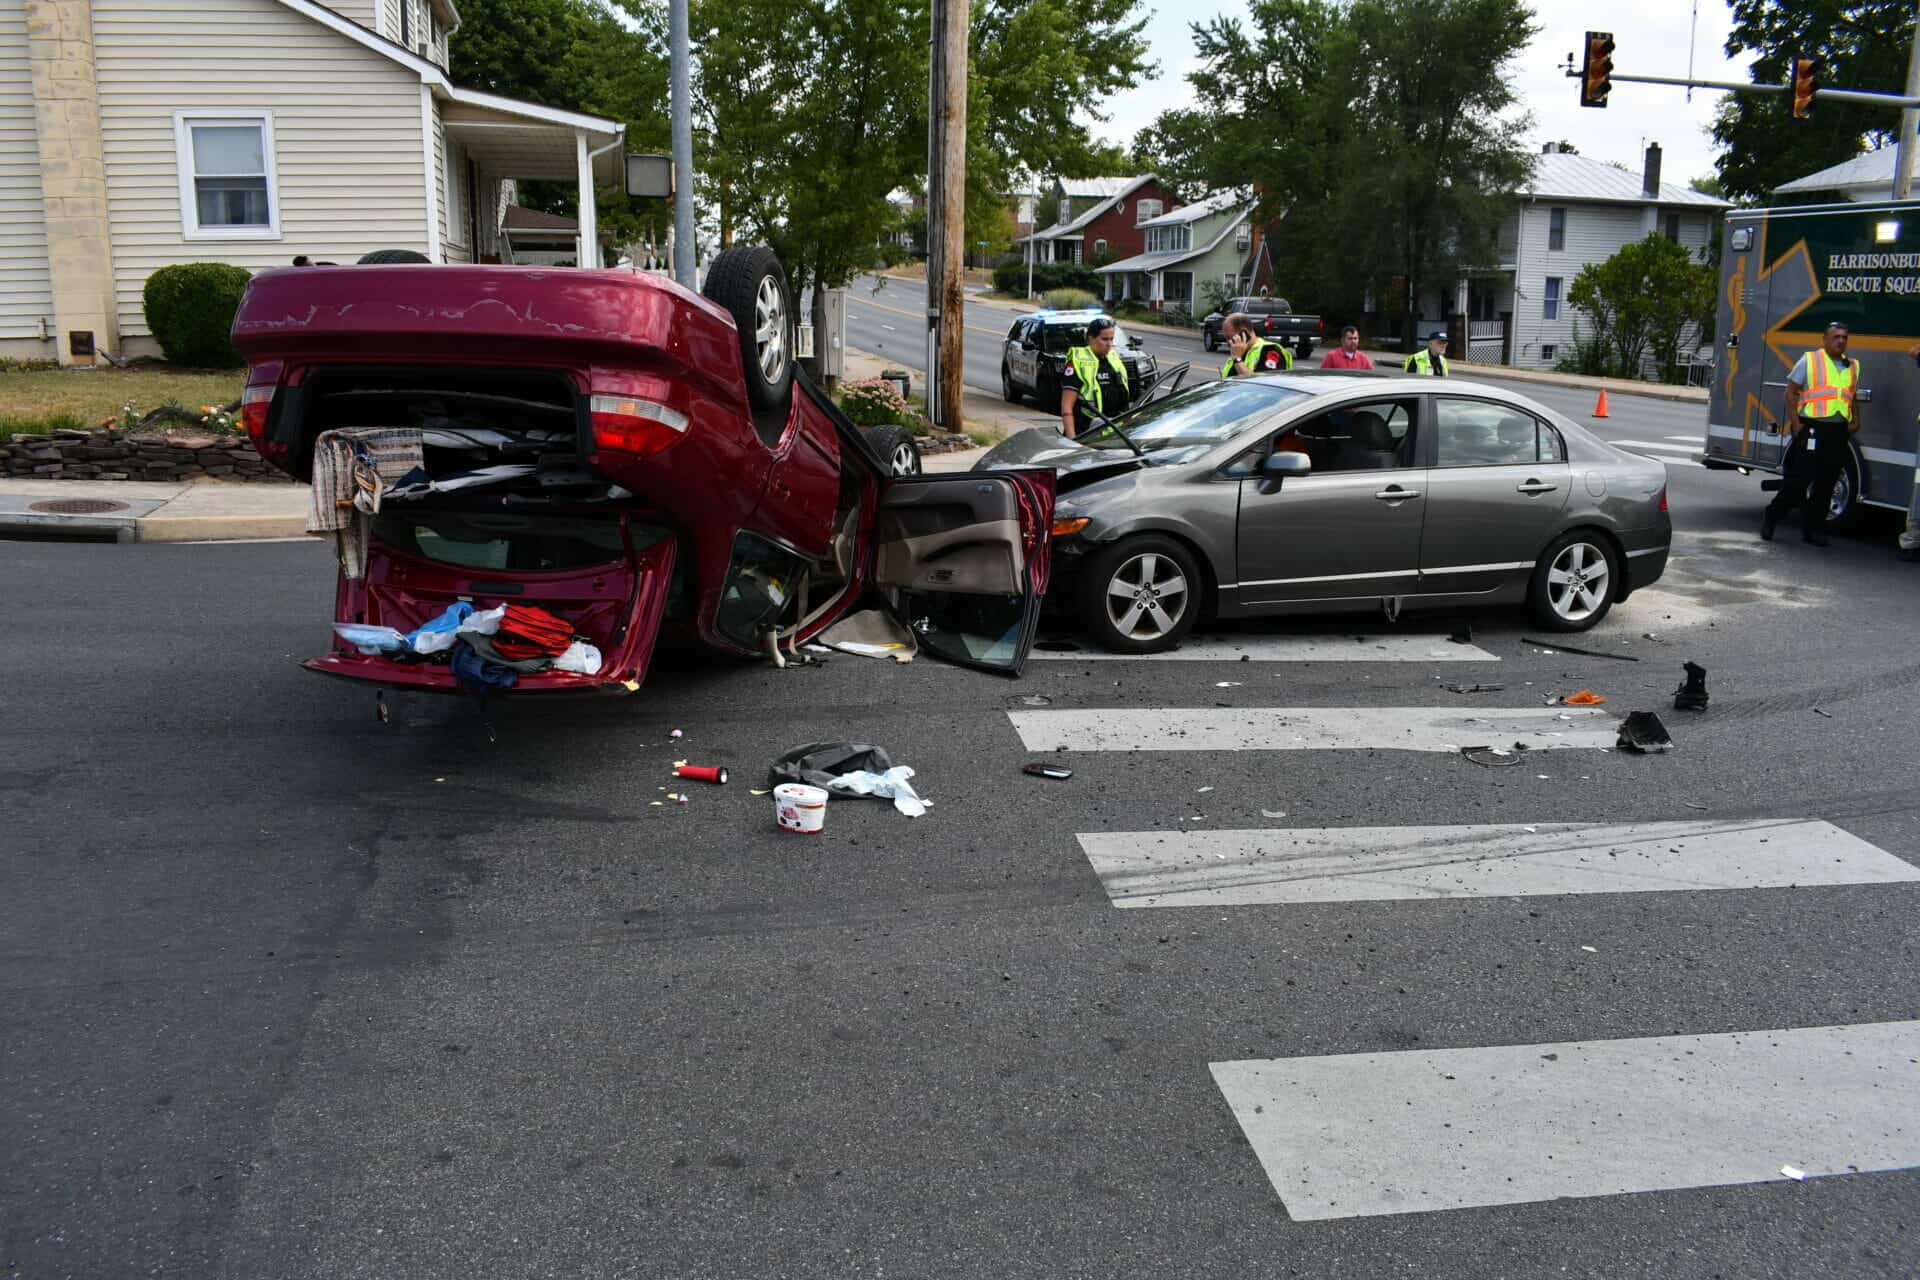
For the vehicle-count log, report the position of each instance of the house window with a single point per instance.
(1550, 306)
(1099, 248)
(1673, 227)
(1149, 209)
(406, 23)
(226, 175)
(1548, 350)
(1556, 230)
(1243, 238)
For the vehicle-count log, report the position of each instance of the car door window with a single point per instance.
(1478, 433)
(1375, 435)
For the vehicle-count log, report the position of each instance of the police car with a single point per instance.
(1034, 361)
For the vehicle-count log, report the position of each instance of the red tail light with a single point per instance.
(255, 404)
(1319, 325)
(1663, 497)
(625, 424)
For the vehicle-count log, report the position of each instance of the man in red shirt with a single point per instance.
(1348, 354)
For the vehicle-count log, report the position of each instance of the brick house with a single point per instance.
(1101, 219)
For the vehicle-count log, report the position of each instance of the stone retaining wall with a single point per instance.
(111, 455)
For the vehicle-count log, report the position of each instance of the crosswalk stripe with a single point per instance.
(1354, 1135)
(1374, 864)
(1311, 728)
(1341, 648)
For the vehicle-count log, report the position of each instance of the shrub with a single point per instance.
(1070, 299)
(872, 402)
(189, 308)
(1011, 277)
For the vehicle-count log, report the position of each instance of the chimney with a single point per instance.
(1548, 148)
(1650, 184)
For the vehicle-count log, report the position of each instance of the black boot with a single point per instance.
(1767, 521)
(1692, 693)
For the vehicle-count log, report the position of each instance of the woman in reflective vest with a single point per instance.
(1251, 353)
(1097, 380)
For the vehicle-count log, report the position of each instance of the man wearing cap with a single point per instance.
(1432, 361)
(1822, 413)
(1095, 379)
(1348, 354)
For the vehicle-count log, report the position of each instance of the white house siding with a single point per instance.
(450, 167)
(26, 288)
(346, 133)
(363, 12)
(389, 19)
(1594, 233)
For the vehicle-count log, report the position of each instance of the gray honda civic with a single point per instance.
(1319, 492)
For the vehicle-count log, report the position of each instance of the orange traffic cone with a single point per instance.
(1600, 409)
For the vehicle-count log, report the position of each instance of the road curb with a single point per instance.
(159, 528)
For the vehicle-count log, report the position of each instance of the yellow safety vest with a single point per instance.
(1831, 392)
(1086, 368)
(1249, 363)
(1422, 362)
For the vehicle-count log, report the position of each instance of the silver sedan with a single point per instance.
(1311, 493)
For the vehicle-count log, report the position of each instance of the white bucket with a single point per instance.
(799, 807)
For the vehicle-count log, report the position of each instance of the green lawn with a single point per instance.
(38, 400)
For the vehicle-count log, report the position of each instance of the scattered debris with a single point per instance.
(1475, 688)
(1827, 714)
(1791, 1171)
(1464, 635)
(1203, 790)
(755, 791)
(1691, 805)
(713, 773)
(1226, 684)
(1273, 813)
(676, 734)
(1584, 698)
(1490, 757)
(1047, 771)
(1550, 646)
(1692, 693)
(1036, 700)
(1643, 732)
(799, 807)
(850, 769)
(1595, 950)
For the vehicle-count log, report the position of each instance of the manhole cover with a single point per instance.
(77, 506)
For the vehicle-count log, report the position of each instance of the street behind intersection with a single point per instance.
(293, 993)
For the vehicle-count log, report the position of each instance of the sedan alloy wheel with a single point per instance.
(1141, 595)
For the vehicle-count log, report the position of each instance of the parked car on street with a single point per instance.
(1033, 359)
(1320, 492)
(621, 452)
(1274, 318)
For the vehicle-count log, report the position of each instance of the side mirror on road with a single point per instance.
(1280, 464)
(1134, 341)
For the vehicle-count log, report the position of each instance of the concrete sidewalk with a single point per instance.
(144, 511)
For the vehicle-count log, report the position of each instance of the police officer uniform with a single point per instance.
(1261, 357)
(1101, 386)
(1425, 363)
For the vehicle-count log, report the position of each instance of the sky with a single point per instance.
(1652, 38)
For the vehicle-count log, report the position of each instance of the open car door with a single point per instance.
(962, 560)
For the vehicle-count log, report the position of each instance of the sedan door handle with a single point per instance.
(1537, 486)
(1396, 494)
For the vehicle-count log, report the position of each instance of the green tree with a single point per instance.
(1645, 300)
(1865, 45)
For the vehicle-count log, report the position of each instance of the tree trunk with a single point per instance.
(820, 331)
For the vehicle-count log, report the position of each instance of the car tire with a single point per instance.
(1110, 591)
(1008, 392)
(1210, 340)
(748, 282)
(1845, 503)
(896, 448)
(390, 256)
(1564, 605)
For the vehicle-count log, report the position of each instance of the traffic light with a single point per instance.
(1597, 70)
(1806, 82)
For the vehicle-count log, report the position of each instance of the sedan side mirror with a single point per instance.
(1280, 464)
(1133, 342)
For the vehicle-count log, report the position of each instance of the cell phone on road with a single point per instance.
(1047, 771)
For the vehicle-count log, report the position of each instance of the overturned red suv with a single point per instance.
(621, 453)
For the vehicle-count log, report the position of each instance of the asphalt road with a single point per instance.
(291, 993)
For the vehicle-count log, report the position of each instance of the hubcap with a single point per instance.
(906, 459)
(1842, 495)
(770, 329)
(1146, 597)
(1577, 581)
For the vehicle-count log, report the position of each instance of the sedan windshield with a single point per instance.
(1184, 426)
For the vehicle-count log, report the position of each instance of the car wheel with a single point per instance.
(379, 256)
(1141, 595)
(1210, 340)
(748, 282)
(1846, 494)
(896, 448)
(1575, 583)
(1008, 392)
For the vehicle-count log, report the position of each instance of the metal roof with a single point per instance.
(1067, 229)
(1218, 202)
(1094, 188)
(1558, 176)
(1873, 169)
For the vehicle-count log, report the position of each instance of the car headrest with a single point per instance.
(1516, 433)
(1369, 431)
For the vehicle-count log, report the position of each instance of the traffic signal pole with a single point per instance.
(1909, 120)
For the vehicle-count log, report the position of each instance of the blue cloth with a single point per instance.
(370, 639)
(476, 673)
(441, 630)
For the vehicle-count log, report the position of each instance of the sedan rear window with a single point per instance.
(1184, 426)
(506, 543)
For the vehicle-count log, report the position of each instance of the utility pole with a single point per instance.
(946, 209)
(1909, 120)
(680, 106)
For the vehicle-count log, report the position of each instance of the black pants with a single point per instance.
(1812, 467)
